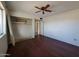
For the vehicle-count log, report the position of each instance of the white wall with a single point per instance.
(63, 27)
(42, 27)
(3, 45)
(21, 14)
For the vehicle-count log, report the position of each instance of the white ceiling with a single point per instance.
(28, 7)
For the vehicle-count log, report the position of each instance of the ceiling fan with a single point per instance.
(43, 9)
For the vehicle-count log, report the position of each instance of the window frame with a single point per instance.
(3, 20)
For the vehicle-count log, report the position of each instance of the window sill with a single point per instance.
(1, 36)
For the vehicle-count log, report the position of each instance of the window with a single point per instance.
(1, 22)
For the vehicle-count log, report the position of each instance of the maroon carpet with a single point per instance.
(42, 46)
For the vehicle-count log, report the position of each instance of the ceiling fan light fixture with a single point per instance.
(43, 9)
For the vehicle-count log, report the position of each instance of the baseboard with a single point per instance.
(59, 40)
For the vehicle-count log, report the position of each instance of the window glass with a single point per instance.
(1, 23)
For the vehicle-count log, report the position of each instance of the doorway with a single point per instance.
(39, 27)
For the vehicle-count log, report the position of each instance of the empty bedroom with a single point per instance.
(39, 28)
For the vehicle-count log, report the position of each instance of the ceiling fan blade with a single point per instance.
(37, 7)
(37, 11)
(48, 10)
(46, 6)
